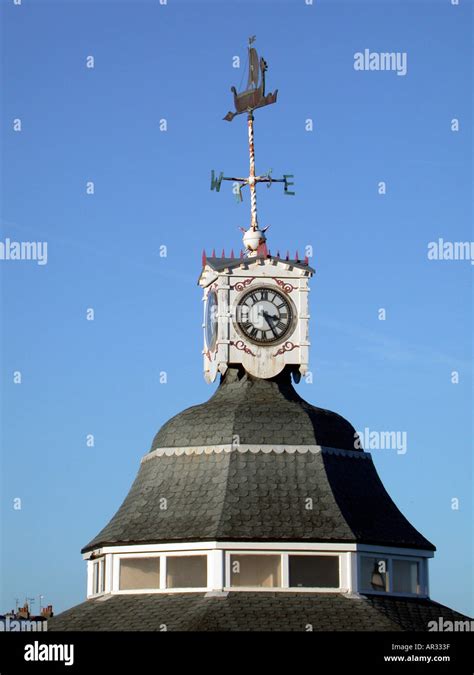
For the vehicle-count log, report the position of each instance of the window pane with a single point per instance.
(139, 573)
(316, 571)
(255, 570)
(95, 588)
(102, 575)
(373, 574)
(186, 571)
(405, 576)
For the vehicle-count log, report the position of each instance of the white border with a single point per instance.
(256, 546)
(254, 448)
(284, 573)
(422, 576)
(218, 565)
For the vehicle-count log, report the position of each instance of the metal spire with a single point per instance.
(247, 101)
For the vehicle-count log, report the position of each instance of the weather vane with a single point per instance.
(247, 101)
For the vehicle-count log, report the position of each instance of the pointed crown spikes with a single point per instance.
(262, 252)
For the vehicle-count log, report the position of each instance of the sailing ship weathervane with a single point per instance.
(247, 101)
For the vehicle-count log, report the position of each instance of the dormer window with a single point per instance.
(255, 571)
(284, 570)
(139, 573)
(188, 571)
(331, 569)
(161, 572)
(98, 576)
(313, 571)
(406, 576)
(374, 574)
(392, 574)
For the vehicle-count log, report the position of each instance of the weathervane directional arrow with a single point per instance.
(216, 182)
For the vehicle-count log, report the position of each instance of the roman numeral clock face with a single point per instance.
(265, 316)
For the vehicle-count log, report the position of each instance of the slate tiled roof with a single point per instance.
(247, 611)
(259, 497)
(255, 411)
(262, 496)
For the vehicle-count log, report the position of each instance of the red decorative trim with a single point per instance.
(287, 347)
(241, 285)
(240, 344)
(284, 285)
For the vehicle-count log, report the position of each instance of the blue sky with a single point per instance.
(102, 377)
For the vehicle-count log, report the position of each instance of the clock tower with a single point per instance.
(256, 305)
(255, 314)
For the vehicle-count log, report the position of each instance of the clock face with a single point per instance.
(211, 319)
(264, 315)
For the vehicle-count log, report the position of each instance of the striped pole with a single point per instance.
(251, 180)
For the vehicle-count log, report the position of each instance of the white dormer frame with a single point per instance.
(218, 561)
(423, 579)
(343, 569)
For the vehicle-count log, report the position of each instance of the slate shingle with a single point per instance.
(247, 611)
(258, 496)
(256, 411)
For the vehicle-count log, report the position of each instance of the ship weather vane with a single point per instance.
(247, 101)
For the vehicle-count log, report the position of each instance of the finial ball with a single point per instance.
(253, 239)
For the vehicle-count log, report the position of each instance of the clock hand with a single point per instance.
(270, 322)
(268, 316)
